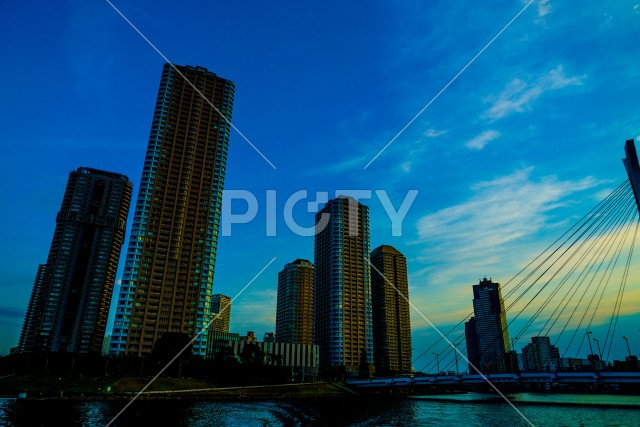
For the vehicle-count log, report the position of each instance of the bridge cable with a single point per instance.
(598, 223)
(621, 291)
(595, 310)
(596, 252)
(603, 205)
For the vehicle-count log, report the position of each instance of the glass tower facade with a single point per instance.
(69, 304)
(168, 276)
(342, 303)
(491, 333)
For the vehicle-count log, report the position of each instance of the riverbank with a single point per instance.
(259, 392)
(189, 389)
(106, 388)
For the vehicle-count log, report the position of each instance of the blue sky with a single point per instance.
(525, 141)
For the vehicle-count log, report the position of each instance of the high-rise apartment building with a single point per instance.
(167, 284)
(69, 304)
(390, 311)
(221, 309)
(342, 303)
(294, 312)
(492, 346)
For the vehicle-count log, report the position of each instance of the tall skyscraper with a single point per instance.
(167, 284)
(492, 336)
(391, 323)
(69, 304)
(294, 312)
(342, 303)
(221, 309)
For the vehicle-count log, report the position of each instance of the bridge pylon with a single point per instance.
(633, 169)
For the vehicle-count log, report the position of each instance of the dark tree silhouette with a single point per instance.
(169, 344)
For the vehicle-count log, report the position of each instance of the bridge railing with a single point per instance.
(523, 378)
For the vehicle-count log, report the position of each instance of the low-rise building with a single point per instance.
(303, 359)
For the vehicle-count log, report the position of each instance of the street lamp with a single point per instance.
(455, 352)
(591, 349)
(627, 341)
(437, 361)
(599, 351)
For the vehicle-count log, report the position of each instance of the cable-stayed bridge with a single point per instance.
(574, 284)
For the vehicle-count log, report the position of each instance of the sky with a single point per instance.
(526, 140)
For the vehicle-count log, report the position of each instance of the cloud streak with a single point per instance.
(479, 142)
(434, 133)
(518, 95)
(497, 231)
(481, 234)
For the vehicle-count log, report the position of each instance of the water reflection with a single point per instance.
(468, 410)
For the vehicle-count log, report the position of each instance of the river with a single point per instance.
(467, 409)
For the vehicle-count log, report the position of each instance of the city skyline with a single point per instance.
(532, 132)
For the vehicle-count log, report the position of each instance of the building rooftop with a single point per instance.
(386, 249)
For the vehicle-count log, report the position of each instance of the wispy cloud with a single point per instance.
(434, 133)
(544, 8)
(493, 233)
(482, 232)
(348, 161)
(518, 95)
(415, 152)
(479, 142)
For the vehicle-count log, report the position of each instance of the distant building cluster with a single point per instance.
(350, 310)
(489, 350)
(540, 356)
(302, 359)
(357, 326)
